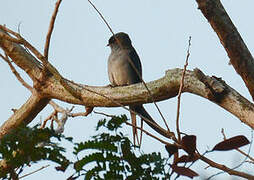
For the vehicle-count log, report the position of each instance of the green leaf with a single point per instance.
(98, 145)
(98, 157)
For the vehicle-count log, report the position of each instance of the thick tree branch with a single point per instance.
(240, 56)
(20, 56)
(25, 114)
(32, 67)
(161, 89)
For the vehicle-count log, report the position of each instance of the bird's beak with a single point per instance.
(107, 44)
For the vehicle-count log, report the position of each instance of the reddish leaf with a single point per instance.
(185, 158)
(231, 143)
(60, 168)
(171, 148)
(184, 171)
(189, 143)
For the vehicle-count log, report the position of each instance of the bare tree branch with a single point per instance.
(20, 40)
(25, 114)
(149, 134)
(225, 168)
(240, 56)
(51, 27)
(161, 89)
(180, 92)
(14, 71)
(37, 170)
(20, 56)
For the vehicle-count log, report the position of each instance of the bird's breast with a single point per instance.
(119, 69)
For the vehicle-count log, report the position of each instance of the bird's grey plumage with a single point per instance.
(121, 72)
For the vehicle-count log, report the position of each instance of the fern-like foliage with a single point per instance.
(111, 155)
(107, 155)
(26, 145)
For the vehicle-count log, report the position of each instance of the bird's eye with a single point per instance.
(112, 40)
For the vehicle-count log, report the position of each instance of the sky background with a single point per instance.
(159, 31)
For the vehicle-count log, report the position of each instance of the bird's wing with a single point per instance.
(132, 54)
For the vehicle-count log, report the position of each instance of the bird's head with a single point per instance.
(119, 40)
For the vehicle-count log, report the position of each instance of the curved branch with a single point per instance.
(240, 56)
(161, 89)
(24, 115)
(167, 87)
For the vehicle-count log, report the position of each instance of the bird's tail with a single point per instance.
(140, 110)
(134, 129)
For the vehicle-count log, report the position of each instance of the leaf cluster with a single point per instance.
(111, 155)
(26, 145)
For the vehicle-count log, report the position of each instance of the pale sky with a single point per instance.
(159, 31)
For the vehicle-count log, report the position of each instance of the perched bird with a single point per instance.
(121, 72)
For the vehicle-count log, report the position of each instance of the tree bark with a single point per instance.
(24, 115)
(161, 89)
(240, 56)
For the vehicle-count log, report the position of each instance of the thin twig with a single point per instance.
(101, 17)
(224, 168)
(51, 27)
(232, 169)
(180, 92)
(19, 39)
(53, 114)
(46, 65)
(133, 66)
(19, 27)
(68, 111)
(149, 134)
(56, 106)
(104, 114)
(20, 79)
(54, 117)
(78, 114)
(43, 167)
